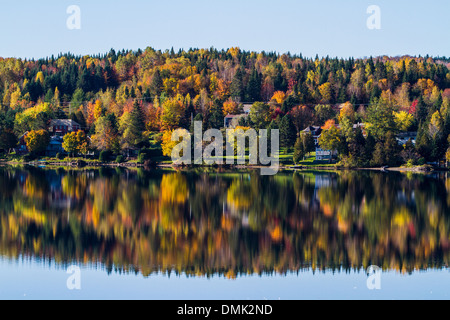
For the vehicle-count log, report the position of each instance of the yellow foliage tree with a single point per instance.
(167, 143)
(325, 92)
(172, 112)
(436, 124)
(37, 141)
(40, 77)
(403, 120)
(234, 51)
(231, 107)
(279, 97)
(347, 111)
(15, 96)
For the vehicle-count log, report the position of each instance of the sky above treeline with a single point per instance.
(37, 29)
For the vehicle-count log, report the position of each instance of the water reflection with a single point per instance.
(226, 223)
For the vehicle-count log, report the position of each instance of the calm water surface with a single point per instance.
(228, 235)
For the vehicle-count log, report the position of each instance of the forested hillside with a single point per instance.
(123, 98)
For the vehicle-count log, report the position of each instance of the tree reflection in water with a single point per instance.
(227, 223)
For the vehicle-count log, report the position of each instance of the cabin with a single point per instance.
(321, 154)
(404, 137)
(58, 129)
(232, 120)
(61, 127)
(55, 146)
(315, 131)
(22, 145)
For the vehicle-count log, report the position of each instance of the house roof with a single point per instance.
(232, 116)
(247, 108)
(22, 136)
(407, 135)
(359, 125)
(64, 122)
(313, 129)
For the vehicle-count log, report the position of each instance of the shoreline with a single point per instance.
(83, 164)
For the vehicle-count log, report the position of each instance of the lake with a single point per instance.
(163, 234)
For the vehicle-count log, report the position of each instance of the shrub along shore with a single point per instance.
(86, 163)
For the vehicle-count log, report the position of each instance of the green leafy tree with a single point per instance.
(259, 115)
(309, 144)
(299, 151)
(380, 118)
(387, 152)
(331, 139)
(379, 157)
(77, 98)
(323, 113)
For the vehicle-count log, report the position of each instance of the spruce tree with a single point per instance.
(288, 132)
(49, 96)
(421, 110)
(253, 93)
(147, 96)
(291, 101)
(391, 149)
(215, 119)
(423, 144)
(137, 118)
(157, 84)
(237, 86)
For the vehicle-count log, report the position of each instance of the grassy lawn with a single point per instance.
(67, 159)
(12, 158)
(310, 161)
(286, 159)
(285, 156)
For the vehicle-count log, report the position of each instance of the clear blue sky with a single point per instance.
(35, 29)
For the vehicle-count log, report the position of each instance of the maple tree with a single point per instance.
(37, 141)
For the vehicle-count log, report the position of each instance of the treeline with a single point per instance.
(120, 98)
